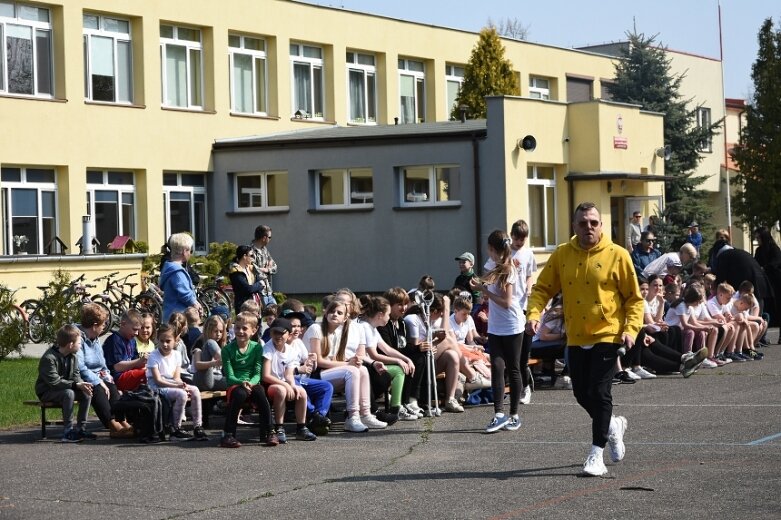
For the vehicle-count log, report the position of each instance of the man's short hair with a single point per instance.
(519, 229)
(131, 316)
(396, 295)
(583, 206)
(262, 231)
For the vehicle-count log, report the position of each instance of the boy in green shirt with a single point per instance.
(242, 368)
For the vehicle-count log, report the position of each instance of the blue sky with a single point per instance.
(684, 25)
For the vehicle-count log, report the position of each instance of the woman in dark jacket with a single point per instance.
(768, 256)
(246, 284)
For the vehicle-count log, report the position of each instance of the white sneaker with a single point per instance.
(632, 375)
(372, 422)
(594, 466)
(526, 395)
(643, 373)
(479, 382)
(563, 382)
(453, 406)
(615, 437)
(707, 363)
(413, 407)
(354, 424)
(406, 415)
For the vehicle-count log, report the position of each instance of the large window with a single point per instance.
(308, 81)
(454, 77)
(412, 91)
(26, 50)
(181, 51)
(362, 87)
(261, 190)
(542, 206)
(704, 122)
(344, 188)
(111, 202)
(108, 59)
(29, 209)
(430, 185)
(248, 74)
(184, 200)
(539, 88)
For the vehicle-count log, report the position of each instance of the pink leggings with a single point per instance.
(355, 383)
(178, 398)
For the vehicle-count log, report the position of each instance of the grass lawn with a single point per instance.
(17, 384)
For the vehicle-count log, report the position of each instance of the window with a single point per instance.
(308, 87)
(108, 59)
(181, 53)
(29, 209)
(579, 89)
(704, 123)
(248, 67)
(111, 202)
(454, 77)
(412, 89)
(344, 188)
(26, 50)
(263, 190)
(184, 201)
(542, 206)
(539, 88)
(430, 185)
(362, 87)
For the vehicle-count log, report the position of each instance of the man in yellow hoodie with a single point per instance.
(603, 312)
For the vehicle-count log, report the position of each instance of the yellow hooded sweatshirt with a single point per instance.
(600, 290)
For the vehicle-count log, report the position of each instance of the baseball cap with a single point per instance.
(304, 317)
(466, 256)
(281, 325)
(693, 224)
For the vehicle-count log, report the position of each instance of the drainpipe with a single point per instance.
(478, 206)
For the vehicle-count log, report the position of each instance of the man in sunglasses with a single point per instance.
(645, 252)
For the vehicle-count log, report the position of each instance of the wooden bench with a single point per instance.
(43, 406)
(206, 407)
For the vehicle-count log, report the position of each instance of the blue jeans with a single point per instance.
(319, 394)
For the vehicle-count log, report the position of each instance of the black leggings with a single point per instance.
(506, 354)
(526, 348)
(592, 382)
(102, 403)
(238, 397)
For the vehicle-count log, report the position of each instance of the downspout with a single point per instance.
(478, 206)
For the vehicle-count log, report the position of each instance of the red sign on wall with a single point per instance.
(621, 143)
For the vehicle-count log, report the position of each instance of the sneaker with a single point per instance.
(199, 434)
(479, 382)
(84, 434)
(707, 363)
(387, 417)
(513, 424)
(594, 466)
(305, 435)
(623, 377)
(453, 406)
(181, 434)
(71, 436)
(318, 419)
(281, 434)
(152, 439)
(643, 373)
(756, 356)
(413, 407)
(737, 358)
(725, 359)
(272, 439)
(744, 356)
(229, 441)
(631, 375)
(243, 422)
(719, 363)
(526, 395)
(354, 424)
(372, 422)
(563, 382)
(615, 437)
(497, 423)
(406, 415)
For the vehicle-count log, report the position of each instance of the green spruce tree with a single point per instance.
(487, 73)
(757, 201)
(643, 77)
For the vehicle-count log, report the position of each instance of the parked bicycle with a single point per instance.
(150, 301)
(115, 297)
(13, 323)
(211, 292)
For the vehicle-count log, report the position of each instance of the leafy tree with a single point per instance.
(511, 28)
(643, 77)
(757, 201)
(487, 73)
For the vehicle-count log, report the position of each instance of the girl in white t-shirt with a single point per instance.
(340, 348)
(163, 373)
(505, 329)
(474, 364)
(690, 320)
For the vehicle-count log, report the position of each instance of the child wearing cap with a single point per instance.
(466, 264)
(279, 380)
(694, 237)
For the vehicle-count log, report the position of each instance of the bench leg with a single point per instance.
(43, 422)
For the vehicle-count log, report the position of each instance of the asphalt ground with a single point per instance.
(704, 447)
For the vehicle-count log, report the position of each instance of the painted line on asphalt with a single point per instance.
(763, 440)
(674, 405)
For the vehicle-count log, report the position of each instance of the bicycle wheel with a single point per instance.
(36, 322)
(147, 303)
(13, 329)
(212, 297)
(111, 321)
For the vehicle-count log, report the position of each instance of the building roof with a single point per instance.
(334, 134)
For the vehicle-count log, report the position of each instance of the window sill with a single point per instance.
(188, 110)
(109, 104)
(355, 123)
(255, 116)
(258, 211)
(344, 209)
(414, 207)
(312, 121)
(32, 98)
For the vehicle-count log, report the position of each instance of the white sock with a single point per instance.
(499, 415)
(596, 450)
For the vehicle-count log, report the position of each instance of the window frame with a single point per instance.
(346, 192)
(189, 46)
(255, 55)
(264, 206)
(369, 73)
(116, 37)
(120, 190)
(313, 64)
(6, 201)
(538, 92)
(419, 80)
(201, 244)
(432, 185)
(452, 77)
(34, 26)
(705, 121)
(547, 185)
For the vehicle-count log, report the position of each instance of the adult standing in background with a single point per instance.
(634, 230)
(265, 266)
(694, 237)
(645, 252)
(175, 281)
(768, 256)
(603, 311)
(244, 279)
